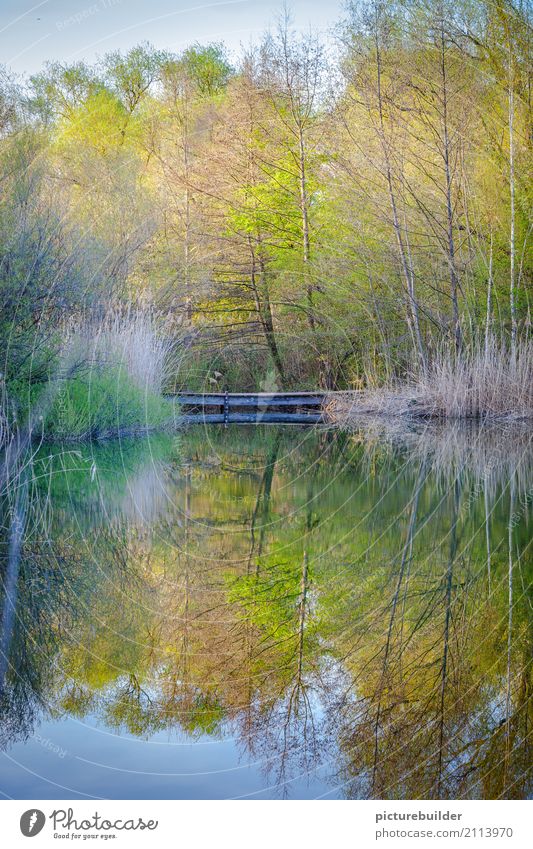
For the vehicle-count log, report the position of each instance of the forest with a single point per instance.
(339, 611)
(345, 212)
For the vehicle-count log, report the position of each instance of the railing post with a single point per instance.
(226, 408)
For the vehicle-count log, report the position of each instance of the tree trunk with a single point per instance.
(264, 311)
(512, 246)
(454, 278)
(406, 266)
(489, 300)
(305, 225)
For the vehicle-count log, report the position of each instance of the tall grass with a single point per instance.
(107, 378)
(4, 421)
(490, 380)
(107, 381)
(484, 381)
(117, 367)
(131, 342)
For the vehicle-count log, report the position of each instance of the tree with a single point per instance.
(291, 71)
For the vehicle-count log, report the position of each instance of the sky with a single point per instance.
(34, 31)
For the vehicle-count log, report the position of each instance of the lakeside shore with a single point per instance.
(406, 403)
(490, 382)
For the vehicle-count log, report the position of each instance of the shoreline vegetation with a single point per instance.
(119, 364)
(107, 381)
(483, 384)
(111, 375)
(351, 215)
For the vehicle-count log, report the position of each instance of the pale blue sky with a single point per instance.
(32, 31)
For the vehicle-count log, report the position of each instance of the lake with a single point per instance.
(270, 612)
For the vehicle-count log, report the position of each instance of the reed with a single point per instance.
(132, 341)
(490, 380)
(484, 381)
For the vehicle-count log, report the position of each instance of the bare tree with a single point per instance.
(292, 70)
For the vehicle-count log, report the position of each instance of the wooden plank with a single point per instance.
(249, 400)
(296, 392)
(250, 418)
(189, 398)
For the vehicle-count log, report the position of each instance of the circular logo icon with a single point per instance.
(32, 822)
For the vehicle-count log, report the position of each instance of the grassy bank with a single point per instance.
(104, 404)
(107, 380)
(480, 383)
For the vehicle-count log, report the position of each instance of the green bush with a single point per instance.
(102, 404)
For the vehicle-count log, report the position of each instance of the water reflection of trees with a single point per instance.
(346, 604)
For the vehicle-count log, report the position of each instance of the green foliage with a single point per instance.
(60, 89)
(104, 404)
(287, 226)
(205, 716)
(132, 74)
(207, 67)
(98, 124)
(49, 267)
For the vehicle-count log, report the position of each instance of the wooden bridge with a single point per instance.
(254, 407)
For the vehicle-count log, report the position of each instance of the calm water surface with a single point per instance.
(270, 612)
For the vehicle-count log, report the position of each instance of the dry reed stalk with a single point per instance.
(481, 383)
(133, 341)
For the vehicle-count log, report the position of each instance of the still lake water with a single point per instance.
(268, 612)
